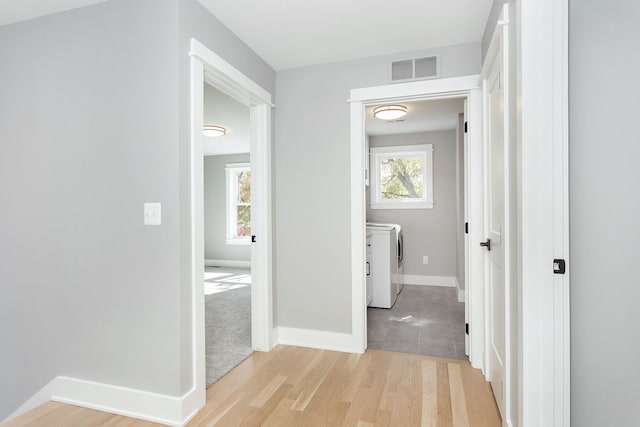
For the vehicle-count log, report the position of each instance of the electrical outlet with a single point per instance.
(425, 259)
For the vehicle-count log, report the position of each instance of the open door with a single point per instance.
(497, 216)
(495, 198)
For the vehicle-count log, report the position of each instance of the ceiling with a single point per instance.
(222, 110)
(422, 116)
(20, 10)
(296, 33)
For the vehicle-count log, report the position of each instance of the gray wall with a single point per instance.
(460, 234)
(429, 232)
(94, 121)
(88, 125)
(195, 21)
(313, 247)
(215, 210)
(604, 66)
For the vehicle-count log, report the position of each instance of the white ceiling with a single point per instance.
(222, 110)
(20, 10)
(422, 116)
(295, 33)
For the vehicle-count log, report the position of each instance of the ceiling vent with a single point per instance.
(415, 69)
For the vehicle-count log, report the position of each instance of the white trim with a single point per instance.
(312, 338)
(196, 206)
(358, 233)
(227, 263)
(462, 295)
(544, 317)
(437, 88)
(209, 67)
(457, 87)
(154, 407)
(420, 280)
(227, 78)
(475, 276)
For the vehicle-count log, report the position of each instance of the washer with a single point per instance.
(385, 259)
(399, 250)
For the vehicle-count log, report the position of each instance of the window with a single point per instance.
(238, 203)
(402, 177)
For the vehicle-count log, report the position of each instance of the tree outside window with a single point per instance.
(402, 177)
(238, 203)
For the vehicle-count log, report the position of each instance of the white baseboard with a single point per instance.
(461, 292)
(158, 408)
(311, 338)
(413, 279)
(227, 263)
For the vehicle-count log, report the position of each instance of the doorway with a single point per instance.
(207, 67)
(442, 89)
(416, 185)
(227, 233)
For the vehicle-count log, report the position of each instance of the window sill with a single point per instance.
(245, 242)
(401, 205)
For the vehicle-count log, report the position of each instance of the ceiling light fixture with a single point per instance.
(390, 112)
(213, 130)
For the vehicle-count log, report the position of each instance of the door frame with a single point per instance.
(206, 66)
(543, 141)
(457, 87)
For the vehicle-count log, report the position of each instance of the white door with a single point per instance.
(496, 226)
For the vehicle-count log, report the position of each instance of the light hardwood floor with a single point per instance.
(292, 386)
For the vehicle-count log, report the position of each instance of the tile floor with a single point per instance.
(425, 320)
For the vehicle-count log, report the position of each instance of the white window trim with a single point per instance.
(231, 171)
(422, 150)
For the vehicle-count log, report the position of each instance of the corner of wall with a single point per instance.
(157, 408)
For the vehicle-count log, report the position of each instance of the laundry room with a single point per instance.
(415, 214)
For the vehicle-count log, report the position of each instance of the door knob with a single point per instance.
(486, 244)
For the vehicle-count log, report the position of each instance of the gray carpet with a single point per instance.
(227, 319)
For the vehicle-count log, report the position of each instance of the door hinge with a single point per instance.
(559, 266)
(466, 228)
(253, 239)
(466, 328)
(465, 127)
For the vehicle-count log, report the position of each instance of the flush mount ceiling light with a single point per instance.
(390, 112)
(213, 130)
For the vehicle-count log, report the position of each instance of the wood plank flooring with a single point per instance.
(293, 386)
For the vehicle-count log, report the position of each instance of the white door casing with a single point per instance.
(209, 67)
(466, 221)
(543, 141)
(466, 87)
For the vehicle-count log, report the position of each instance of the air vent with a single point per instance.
(415, 69)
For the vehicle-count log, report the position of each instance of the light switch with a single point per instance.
(152, 214)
